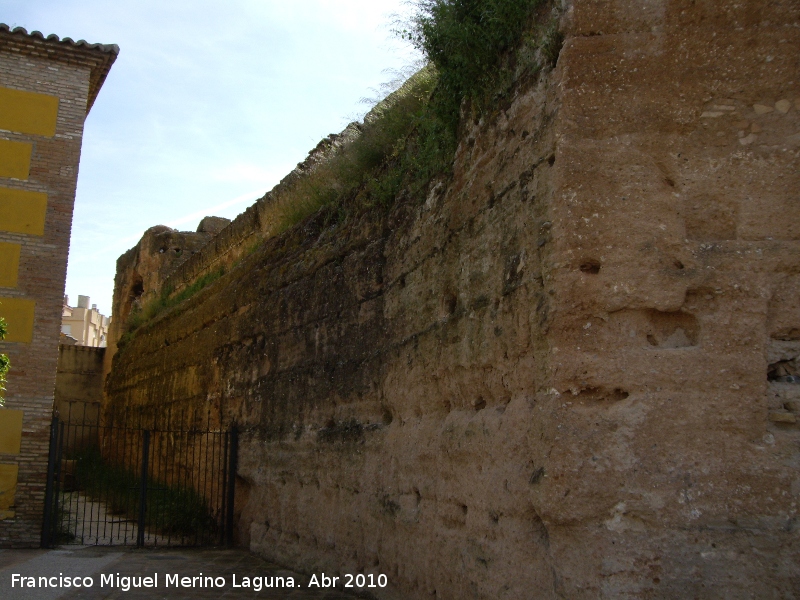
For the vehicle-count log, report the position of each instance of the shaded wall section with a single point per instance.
(79, 387)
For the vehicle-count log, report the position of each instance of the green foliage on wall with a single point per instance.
(476, 50)
(467, 41)
(167, 299)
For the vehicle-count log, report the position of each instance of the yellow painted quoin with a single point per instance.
(22, 211)
(15, 159)
(18, 313)
(9, 264)
(10, 431)
(28, 112)
(8, 490)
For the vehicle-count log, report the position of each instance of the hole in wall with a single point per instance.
(672, 329)
(593, 395)
(590, 266)
(551, 160)
(449, 304)
(784, 371)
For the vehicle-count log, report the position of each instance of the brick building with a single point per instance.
(47, 87)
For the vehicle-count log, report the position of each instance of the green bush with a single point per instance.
(467, 40)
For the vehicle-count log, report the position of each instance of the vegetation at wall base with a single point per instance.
(170, 510)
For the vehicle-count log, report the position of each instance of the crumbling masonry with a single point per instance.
(570, 372)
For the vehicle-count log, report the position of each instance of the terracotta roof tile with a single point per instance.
(108, 48)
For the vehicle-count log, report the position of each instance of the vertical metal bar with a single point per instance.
(193, 484)
(143, 488)
(66, 442)
(59, 454)
(75, 478)
(158, 478)
(204, 492)
(232, 482)
(185, 464)
(49, 509)
(106, 457)
(224, 486)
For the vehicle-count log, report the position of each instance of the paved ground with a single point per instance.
(95, 562)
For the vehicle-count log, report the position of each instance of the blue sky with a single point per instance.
(208, 105)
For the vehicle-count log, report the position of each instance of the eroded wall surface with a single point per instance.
(569, 372)
(79, 383)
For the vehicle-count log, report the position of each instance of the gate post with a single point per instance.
(233, 456)
(143, 488)
(47, 521)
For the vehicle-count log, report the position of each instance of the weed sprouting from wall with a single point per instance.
(467, 41)
(475, 51)
(357, 166)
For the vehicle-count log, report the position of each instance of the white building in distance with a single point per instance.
(84, 326)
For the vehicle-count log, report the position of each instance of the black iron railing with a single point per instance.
(117, 484)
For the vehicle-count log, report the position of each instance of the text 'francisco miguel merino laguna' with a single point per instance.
(256, 584)
(128, 582)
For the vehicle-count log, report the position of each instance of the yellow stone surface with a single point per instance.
(22, 211)
(8, 488)
(10, 431)
(18, 313)
(9, 264)
(15, 159)
(28, 112)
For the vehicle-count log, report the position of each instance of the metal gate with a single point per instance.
(116, 484)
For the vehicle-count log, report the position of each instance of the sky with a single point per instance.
(208, 106)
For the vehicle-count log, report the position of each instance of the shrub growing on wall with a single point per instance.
(466, 40)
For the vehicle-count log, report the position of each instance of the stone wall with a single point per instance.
(569, 372)
(143, 270)
(79, 383)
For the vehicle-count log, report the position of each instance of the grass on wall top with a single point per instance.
(476, 50)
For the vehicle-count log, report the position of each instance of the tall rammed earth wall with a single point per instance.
(567, 373)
